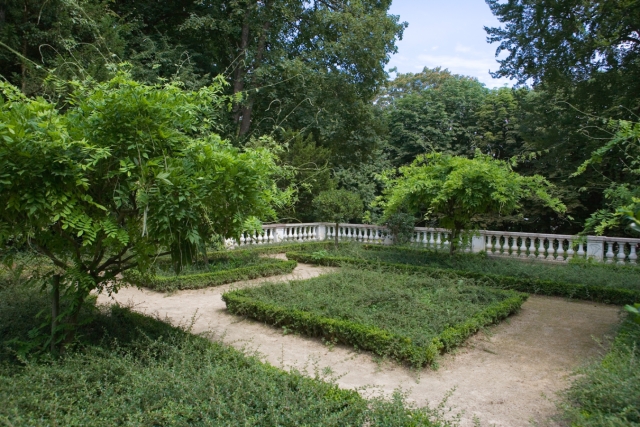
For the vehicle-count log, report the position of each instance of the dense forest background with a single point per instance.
(308, 77)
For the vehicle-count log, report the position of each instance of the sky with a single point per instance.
(449, 34)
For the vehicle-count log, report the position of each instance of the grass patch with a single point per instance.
(408, 317)
(607, 393)
(366, 258)
(134, 370)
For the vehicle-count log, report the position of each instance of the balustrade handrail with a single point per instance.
(514, 244)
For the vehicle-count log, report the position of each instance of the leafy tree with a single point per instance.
(435, 117)
(582, 60)
(623, 207)
(497, 121)
(309, 175)
(456, 190)
(125, 173)
(75, 38)
(338, 206)
(571, 37)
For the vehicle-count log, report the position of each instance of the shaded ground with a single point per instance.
(507, 376)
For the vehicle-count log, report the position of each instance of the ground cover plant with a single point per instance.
(408, 317)
(606, 393)
(215, 272)
(128, 369)
(595, 282)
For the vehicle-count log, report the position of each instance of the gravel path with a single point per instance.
(507, 376)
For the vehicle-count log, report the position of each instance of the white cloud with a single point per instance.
(469, 66)
(463, 49)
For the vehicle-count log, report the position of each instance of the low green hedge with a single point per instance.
(205, 280)
(268, 249)
(602, 294)
(368, 337)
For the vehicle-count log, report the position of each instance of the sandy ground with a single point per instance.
(506, 376)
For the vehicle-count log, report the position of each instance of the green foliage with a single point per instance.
(607, 393)
(122, 173)
(602, 291)
(338, 206)
(221, 276)
(634, 310)
(436, 116)
(456, 190)
(69, 38)
(136, 370)
(547, 38)
(401, 226)
(405, 316)
(623, 207)
(310, 175)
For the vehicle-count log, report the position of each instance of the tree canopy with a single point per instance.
(456, 190)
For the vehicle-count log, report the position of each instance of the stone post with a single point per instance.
(478, 243)
(321, 234)
(278, 234)
(595, 248)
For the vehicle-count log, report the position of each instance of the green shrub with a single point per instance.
(607, 393)
(405, 316)
(134, 370)
(267, 268)
(578, 272)
(609, 295)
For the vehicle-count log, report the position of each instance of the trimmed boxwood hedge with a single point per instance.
(205, 280)
(608, 295)
(268, 249)
(367, 337)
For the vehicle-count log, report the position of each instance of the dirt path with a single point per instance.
(505, 377)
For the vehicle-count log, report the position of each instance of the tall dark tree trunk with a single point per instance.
(454, 240)
(336, 235)
(23, 64)
(247, 110)
(241, 68)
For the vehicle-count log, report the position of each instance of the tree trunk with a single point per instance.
(238, 80)
(452, 243)
(247, 110)
(336, 235)
(55, 309)
(23, 63)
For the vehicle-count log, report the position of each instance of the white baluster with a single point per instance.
(432, 240)
(438, 240)
(488, 246)
(341, 237)
(580, 253)
(551, 252)
(570, 251)
(514, 246)
(523, 247)
(560, 253)
(504, 245)
(632, 253)
(541, 249)
(609, 252)
(621, 255)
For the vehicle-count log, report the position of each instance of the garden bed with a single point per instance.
(408, 317)
(427, 262)
(218, 271)
(130, 369)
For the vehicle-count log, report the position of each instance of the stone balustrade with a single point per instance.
(544, 247)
